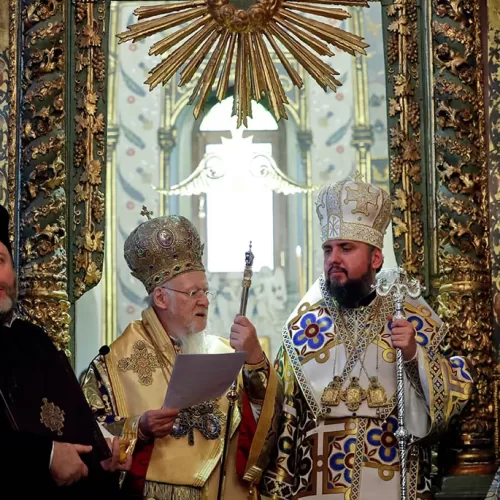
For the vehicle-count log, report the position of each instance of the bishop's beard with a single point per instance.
(193, 343)
(9, 302)
(352, 292)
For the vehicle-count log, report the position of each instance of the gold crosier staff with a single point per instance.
(232, 395)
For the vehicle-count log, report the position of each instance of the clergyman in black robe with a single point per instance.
(38, 463)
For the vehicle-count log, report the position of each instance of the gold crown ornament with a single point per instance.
(354, 210)
(161, 248)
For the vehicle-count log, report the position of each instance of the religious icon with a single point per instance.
(354, 395)
(331, 394)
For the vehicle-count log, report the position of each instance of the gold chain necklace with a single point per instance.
(354, 394)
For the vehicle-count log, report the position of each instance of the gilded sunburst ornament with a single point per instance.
(219, 33)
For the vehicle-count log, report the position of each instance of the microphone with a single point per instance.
(103, 350)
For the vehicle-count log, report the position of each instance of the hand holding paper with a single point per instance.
(197, 378)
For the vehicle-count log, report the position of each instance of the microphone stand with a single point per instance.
(232, 395)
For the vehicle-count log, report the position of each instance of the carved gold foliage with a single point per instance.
(464, 298)
(404, 131)
(4, 121)
(43, 205)
(41, 10)
(494, 180)
(494, 167)
(89, 152)
(14, 21)
(50, 32)
(467, 301)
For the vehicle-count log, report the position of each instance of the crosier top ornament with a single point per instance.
(243, 32)
(396, 282)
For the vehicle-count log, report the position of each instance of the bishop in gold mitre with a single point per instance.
(177, 454)
(338, 362)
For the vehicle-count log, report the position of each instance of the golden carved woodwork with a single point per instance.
(462, 213)
(223, 31)
(4, 104)
(42, 201)
(494, 180)
(404, 132)
(13, 84)
(57, 156)
(89, 157)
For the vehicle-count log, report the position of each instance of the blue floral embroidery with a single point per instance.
(345, 461)
(418, 324)
(385, 440)
(459, 363)
(311, 331)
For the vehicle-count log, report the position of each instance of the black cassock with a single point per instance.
(41, 398)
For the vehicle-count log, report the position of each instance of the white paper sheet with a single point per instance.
(197, 378)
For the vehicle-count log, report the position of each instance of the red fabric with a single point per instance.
(248, 426)
(136, 477)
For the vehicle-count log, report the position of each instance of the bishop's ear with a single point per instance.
(160, 297)
(377, 259)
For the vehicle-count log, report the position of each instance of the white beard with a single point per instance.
(193, 343)
(6, 305)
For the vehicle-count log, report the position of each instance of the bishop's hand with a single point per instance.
(403, 336)
(243, 337)
(157, 423)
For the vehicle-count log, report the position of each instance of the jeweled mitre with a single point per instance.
(162, 248)
(354, 210)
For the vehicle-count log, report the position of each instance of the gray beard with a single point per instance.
(7, 306)
(193, 343)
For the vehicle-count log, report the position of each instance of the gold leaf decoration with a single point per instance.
(220, 33)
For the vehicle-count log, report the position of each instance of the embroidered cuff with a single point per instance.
(261, 364)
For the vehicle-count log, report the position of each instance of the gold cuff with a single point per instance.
(257, 366)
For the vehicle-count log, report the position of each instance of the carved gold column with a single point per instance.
(57, 155)
(88, 106)
(4, 104)
(463, 225)
(407, 177)
(494, 182)
(43, 201)
(14, 15)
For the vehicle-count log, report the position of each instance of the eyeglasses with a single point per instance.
(193, 293)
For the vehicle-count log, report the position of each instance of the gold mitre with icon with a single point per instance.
(354, 210)
(161, 248)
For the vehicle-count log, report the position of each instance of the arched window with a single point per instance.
(232, 216)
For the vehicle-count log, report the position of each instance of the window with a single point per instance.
(233, 216)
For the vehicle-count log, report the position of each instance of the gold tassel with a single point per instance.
(162, 491)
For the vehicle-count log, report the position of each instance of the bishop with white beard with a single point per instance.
(126, 388)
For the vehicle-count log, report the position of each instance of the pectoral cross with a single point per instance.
(145, 213)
